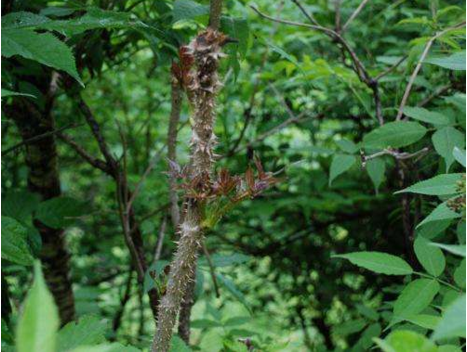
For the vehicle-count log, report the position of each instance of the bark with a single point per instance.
(203, 85)
(43, 179)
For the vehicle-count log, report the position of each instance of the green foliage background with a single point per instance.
(388, 198)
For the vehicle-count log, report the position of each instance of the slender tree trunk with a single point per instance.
(43, 179)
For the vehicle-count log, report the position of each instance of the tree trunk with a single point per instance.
(43, 179)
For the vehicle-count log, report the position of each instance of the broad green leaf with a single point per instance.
(367, 336)
(424, 320)
(458, 100)
(237, 28)
(20, 205)
(39, 322)
(395, 135)
(212, 341)
(340, 164)
(376, 169)
(414, 298)
(60, 211)
(93, 19)
(425, 115)
(459, 274)
(433, 229)
(459, 155)
(178, 345)
(444, 142)
(452, 248)
(378, 262)
(439, 185)
(406, 341)
(431, 257)
(9, 93)
(441, 212)
(188, 9)
(452, 323)
(44, 48)
(347, 146)
(368, 312)
(89, 330)
(454, 61)
(15, 247)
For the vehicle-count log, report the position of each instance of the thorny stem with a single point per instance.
(203, 86)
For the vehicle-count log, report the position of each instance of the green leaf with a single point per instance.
(425, 115)
(459, 155)
(60, 211)
(187, 9)
(9, 93)
(20, 205)
(89, 330)
(431, 258)
(230, 286)
(44, 48)
(451, 248)
(445, 184)
(452, 323)
(424, 320)
(459, 274)
(378, 262)
(444, 141)
(347, 146)
(15, 247)
(340, 164)
(38, 325)
(178, 345)
(395, 135)
(93, 19)
(212, 341)
(455, 61)
(237, 28)
(406, 341)
(414, 298)
(376, 169)
(236, 321)
(441, 212)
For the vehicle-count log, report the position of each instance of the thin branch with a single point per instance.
(396, 154)
(390, 69)
(93, 161)
(307, 14)
(39, 137)
(160, 240)
(215, 11)
(354, 14)
(419, 66)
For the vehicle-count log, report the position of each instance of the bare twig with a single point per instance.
(354, 14)
(38, 138)
(307, 14)
(396, 154)
(93, 161)
(419, 66)
(160, 240)
(392, 68)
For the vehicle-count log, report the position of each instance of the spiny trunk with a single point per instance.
(202, 87)
(43, 179)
